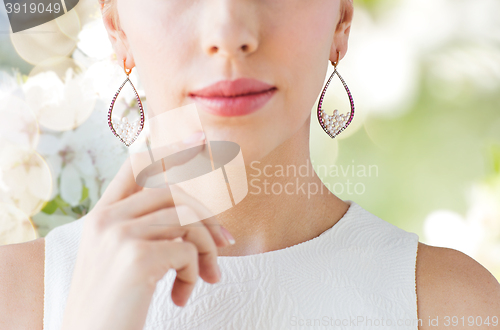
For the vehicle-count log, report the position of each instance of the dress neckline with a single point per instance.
(353, 208)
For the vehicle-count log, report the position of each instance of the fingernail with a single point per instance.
(196, 137)
(227, 235)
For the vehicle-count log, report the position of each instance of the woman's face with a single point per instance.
(182, 46)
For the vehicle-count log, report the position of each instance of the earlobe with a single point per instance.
(340, 45)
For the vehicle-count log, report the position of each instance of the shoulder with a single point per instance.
(22, 285)
(455, 290)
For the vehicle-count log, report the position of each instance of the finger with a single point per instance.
(154, 176)
(183, 257)
(205, 216)
(151, 200)
(142, 203)
(124, 183)
(163, 224)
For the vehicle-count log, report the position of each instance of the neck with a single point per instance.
(287, 203)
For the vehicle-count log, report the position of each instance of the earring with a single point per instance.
(333, 125)
(126, 131)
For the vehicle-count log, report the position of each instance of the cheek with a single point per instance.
(304, 38)
(156, 25)
(162, 45)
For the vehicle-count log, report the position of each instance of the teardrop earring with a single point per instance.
(126, 131)
(333, 125)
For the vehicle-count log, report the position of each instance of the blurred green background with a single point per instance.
(426, 79)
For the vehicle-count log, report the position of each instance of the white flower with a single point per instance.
(93, 40)
(18, 125)
(89, 154)
(15, 226)
(60, 105)
(25, 179)
(8, 84)
(3, 187)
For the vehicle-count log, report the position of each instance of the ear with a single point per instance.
(117, 37)
(341, 36)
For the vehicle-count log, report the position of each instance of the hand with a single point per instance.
(123, 253)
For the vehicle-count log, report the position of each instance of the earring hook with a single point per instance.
(336, 62)
(127, 71)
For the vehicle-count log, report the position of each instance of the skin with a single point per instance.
(249, 39)
(287, 44)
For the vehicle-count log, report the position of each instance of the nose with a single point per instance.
(230, 28)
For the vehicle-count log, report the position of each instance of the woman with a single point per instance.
(294, 261)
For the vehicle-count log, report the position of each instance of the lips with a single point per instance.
(231, 88)
(234, 97)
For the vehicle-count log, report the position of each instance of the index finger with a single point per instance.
(125, 183)
(122, 185)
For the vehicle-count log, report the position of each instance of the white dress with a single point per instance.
(359, 274)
